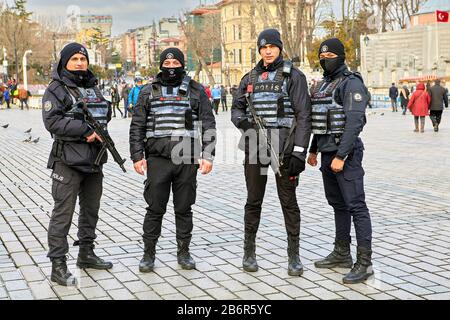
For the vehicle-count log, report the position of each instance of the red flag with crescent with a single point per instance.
(442, 16)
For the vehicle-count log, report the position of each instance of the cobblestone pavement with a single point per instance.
(408, 193)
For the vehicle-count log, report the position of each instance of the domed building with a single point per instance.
(427, 12)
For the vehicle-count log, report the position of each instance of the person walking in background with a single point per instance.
(23, 96)
(393, 94)
(223, 98)
(134, 94)
(439, 98)
(419, 105)
(115, 100)
(6, 97)
(125, 92)
(216, 94)
(404, 98)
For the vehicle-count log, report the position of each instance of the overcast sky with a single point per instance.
(127, 14)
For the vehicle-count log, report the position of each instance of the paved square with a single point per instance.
(408, 194)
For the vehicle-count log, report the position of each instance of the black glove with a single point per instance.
(296, 165)
(245, 125)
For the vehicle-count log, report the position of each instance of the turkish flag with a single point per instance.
(441, 16)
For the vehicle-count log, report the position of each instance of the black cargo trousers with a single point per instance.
(68, 184)
(162, 175)
(256, 180)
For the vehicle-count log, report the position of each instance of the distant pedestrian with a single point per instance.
(6, 97)
(419, 105)
(125, 92)
(404, 98)
(223, 98)
(23, 96)
(393, 94)
(115, 100)
(439, 98)
(216, 94)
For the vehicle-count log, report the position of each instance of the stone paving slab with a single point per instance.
(408, 194)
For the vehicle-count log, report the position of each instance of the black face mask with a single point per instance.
(80, 77)
(172, 75)
(330, 65)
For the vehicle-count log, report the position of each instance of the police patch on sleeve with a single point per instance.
(357, 97)
(48, 105)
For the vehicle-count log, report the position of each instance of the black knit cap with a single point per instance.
(171, 53)
(333, 45)
(69, 51)
(269, 36)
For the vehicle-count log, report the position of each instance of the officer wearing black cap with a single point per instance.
(172, 135)
(338, 117)
(72, 158)
(279, 94)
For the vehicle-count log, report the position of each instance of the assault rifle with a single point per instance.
(275, 161)
(108, 143)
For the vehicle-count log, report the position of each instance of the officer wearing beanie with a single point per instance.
(279, 93)
(172, 136)
(72, 158)
(338, 112)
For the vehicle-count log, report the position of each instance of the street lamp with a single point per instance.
(15, 51)
(5, 66)
(24, 66)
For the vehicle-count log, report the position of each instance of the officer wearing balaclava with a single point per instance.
(172, 136)
(338, 117)
(72, 159)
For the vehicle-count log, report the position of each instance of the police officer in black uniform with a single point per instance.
(338, 113)
(74, 151)
(172, 135)
(279, 93)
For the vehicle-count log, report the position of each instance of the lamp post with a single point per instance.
(5, 66)
(15, 50)
(24, 66)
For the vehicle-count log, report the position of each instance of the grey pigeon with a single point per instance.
(36, 140)
(382, 114)
(5, 126)
(27, 140)
(28, 131)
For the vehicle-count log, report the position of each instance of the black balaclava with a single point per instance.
(172, 76)
(330, 65)
(81, 78)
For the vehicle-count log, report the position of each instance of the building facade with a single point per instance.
(419, 53)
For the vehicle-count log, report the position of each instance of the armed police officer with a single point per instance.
(74, 151)
(338, 113)
(172, 135)
(274, 94)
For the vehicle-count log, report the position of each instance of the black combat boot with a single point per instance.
(340, 257)
(148, 260)
(249, 261)
(362, 269)
(295, 267)
(88, 259)
(60, 274)
(184, 258)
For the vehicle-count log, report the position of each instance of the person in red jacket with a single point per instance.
(419, 105)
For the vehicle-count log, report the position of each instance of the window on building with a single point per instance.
(239, 32)
(176, 43)
(234, 32)
(240, 56)
(239, 9)
(253, 56)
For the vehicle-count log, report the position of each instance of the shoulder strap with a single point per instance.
(183, 90)
(253, 76)
(156, 92)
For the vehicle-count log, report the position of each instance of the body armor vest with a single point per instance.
(170, 114)
(96, 104)
(270, 99)
(328, 116)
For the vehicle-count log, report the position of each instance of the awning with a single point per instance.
(419, 78)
